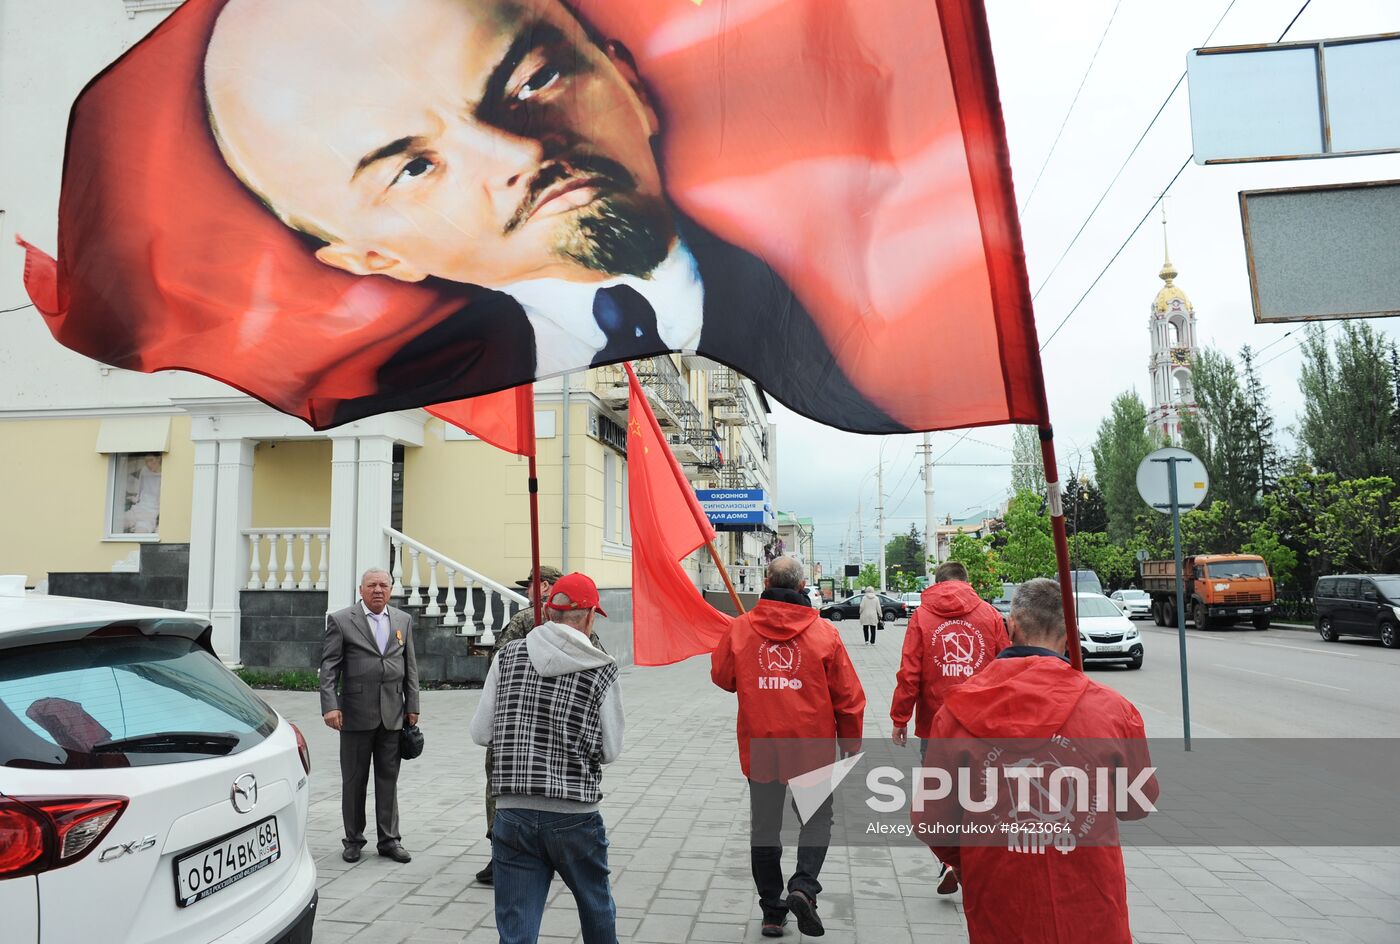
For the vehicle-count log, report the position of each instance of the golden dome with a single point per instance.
(1169, 292)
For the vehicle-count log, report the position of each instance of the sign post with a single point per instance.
(1183, 487)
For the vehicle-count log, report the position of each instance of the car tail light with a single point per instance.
(38, 834)
(302, 749)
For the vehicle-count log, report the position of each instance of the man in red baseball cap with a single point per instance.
(551, 712)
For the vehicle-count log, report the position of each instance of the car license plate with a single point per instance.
(220, 864)
(1246, 612)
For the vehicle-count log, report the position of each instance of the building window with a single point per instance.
(610, 512)
(133, 501)
(626, 509)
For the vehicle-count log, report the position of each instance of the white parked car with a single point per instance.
(1135, 604)
(912, 600)
(146, 794)
(1105, 634)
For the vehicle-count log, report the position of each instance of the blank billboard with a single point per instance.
(1323, 252)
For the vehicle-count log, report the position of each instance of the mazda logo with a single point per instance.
(244, 794)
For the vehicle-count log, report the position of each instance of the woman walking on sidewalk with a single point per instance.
(870, 615)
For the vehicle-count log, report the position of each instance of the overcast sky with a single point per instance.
(1042, 51)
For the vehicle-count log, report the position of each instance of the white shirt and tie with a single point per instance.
(379, 622)
(567, 335)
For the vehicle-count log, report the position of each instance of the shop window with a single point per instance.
(133, 501)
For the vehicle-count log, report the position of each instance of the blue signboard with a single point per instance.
(737, 509)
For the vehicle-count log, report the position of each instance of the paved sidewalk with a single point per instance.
(676, 810)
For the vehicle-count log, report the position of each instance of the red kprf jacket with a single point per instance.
(1038, 705)
(794, 681)
(952, 634)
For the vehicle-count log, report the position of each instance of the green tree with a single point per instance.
(1219, 432)
(869, 577)
(1123, 441)
(1333, 524)
(1027, 466)
(1281, 558)
(907, 554)
(980, 561)
(1028, 550)
(1349, 405)
(1084, 508)
(1214, 529)
(1262, 446)
(1114, 563)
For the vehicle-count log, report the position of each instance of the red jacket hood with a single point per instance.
(1023, 697)
(950, 599)
(778, 621)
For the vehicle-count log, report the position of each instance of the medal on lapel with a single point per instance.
(398, 634)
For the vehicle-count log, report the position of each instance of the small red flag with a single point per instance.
(670, 619)
(505, 419)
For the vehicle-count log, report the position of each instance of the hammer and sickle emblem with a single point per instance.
(780, 658)
(957, 647)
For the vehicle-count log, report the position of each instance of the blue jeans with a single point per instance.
(527, 848)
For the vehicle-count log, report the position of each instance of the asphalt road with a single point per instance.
(1279, 683)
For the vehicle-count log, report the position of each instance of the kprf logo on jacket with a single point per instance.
(778, 665)
(958, 648)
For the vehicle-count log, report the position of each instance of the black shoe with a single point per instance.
(350, 853)
(805, 910)
(486, 876)
(396, 852)
(774, 926)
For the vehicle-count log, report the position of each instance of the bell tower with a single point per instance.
(1172, 325)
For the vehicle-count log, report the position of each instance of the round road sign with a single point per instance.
(1192, 481)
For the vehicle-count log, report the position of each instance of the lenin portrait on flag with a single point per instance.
(349, 207)
(501, 144)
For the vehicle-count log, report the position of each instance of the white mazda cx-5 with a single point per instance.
(146, 794)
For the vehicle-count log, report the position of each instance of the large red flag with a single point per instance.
(249, 193)
(505, 419)
(670, 619)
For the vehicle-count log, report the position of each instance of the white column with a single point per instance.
(342, 575)
(206, 477)
(233, 512)
(375, 502)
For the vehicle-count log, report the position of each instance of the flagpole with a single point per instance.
(525, 418)
(1057, 527)
(535, 542)
(724, 574)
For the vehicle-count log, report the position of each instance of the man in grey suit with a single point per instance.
(369, 652)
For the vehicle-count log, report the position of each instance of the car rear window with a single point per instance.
(123, 701)
(1326, 587)
(1097, 606)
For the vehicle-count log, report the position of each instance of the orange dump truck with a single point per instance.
(1220, 589)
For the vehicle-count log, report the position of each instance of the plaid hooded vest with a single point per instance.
(546, 736)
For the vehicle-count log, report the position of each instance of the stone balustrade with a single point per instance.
(287, 558)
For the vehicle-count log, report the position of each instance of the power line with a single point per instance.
(1289, 350)
(1142, 137)
(1054, 144)
(6, 311)
(1160, 196)
(1116, 253)
(952, 447)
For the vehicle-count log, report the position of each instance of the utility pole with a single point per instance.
(930, 523)
(880, 515)
(860, 533)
